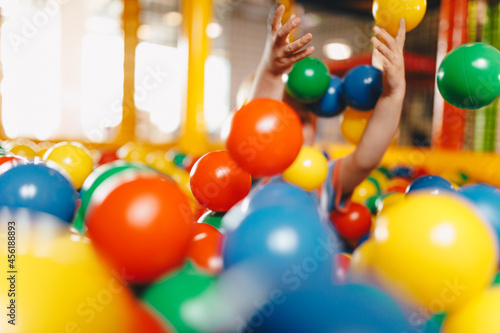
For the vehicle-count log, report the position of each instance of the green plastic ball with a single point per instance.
(171, 296)
(308, 81)
(469, 76)
(212, 218)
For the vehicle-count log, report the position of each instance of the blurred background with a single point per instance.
(71, 69)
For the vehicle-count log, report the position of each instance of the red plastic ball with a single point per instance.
(146, 320)
(217, 182)
(206, 248)
(107, 156)
(142, 225)
(354, 223)
(342, 263)
(265, 137)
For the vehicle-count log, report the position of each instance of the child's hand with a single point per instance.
(280, 55)
(390, 51)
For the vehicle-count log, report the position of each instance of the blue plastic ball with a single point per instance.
(343, 308)
(430, 184)
(402, 172)
(281, 193)
(486, 198)
(39, 188)
(277, 239)
(332, 103)
(362, 87)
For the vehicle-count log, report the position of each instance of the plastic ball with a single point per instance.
(309, 80)
(402, 171)
(309, 170)
(73, 158)
(146, 320)
(374, 202)
(217, 182)
(341, 308)
(486, 199)
(354, 223)
(469, 76)
(276, 192)
(332, 103)
(381, 179)
(276, 238)
(94, 180)
(205, 249)
(22, 147)
(212, 218)
(172, 295)
(39, 188)
(431, 184)
(342, 262)
(107, 156)
(133, 152)
(141, 223)
(387, 14)
(478, 316)
(398, 184)
(390, 199)
(353, 124)
(265, 137)
(497, 279)
(362, 87)
(365, 190)
(434, 251)
(63, 274)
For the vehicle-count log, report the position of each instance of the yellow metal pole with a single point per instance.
(130, 24)
(196, 16)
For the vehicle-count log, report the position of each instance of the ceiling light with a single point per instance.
(337, 50)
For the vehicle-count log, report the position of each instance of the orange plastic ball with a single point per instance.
(141, 223)
(265, 137)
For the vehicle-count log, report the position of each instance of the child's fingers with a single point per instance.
(401, 37)
(301, 55)
(385, 37)
(276, 22)
(298, 44)
(383, 49)
(286, 29)
(385, 62)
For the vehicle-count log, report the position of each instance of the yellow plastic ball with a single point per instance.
(133, 152)
(353, 124)
(434, 251)
(22, 147)
(62, 286)
(161, 162)
(365, 190)
(391, 199)
(181, 177)
(309, 170)
(73, 158)
(478, 316)
(381, 179)
(361, 260)
(387, 14)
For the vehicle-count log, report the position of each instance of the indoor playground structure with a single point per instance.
(124, 230)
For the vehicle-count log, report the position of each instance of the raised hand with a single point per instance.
(390, 51)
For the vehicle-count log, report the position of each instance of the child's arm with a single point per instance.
(279, 56)
(385, 118)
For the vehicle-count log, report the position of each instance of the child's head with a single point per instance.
(309, 119)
